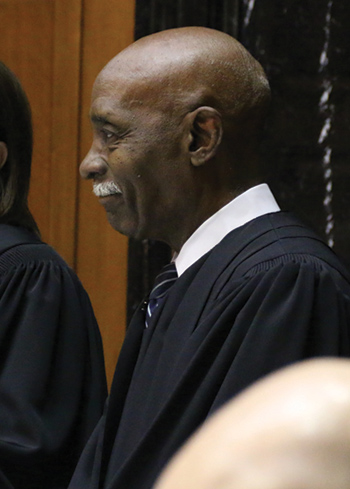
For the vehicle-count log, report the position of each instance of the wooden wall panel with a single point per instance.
(65, 127)
(28, 52)
(40, 42)
(108, 27)
(56, 48)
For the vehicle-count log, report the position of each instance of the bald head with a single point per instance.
(289, 431)
(194, 66)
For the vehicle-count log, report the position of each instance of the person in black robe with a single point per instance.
(52, 377)
(177, 119)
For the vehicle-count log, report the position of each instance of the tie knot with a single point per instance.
(162, 284)
(163, 281)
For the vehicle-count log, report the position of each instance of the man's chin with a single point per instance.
(131, 228)
(121, 226)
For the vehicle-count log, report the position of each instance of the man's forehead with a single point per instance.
(123, 103)
(120, 91)
(117, 91)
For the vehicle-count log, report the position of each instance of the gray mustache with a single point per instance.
(105, 188)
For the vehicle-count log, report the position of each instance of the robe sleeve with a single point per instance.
(292, 312)
(52, 381)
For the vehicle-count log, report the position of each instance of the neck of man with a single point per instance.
(196, 217)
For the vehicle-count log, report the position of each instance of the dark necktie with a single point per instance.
(162, 284)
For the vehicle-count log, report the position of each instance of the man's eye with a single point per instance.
(108, 135)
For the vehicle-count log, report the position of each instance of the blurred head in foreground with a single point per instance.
(290, 430)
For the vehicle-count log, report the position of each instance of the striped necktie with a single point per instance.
(162, 284)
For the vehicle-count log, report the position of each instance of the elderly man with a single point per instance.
(289, 431)
(177, 118)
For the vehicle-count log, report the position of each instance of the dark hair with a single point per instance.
(17, 133)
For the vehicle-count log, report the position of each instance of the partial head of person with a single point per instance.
(290, 430)
(177, 117)
(16, 142)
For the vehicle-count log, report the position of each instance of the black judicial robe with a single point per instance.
(52, 380)
(269, 294)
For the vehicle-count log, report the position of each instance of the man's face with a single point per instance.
(137, 160)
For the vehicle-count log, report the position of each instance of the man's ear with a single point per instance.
(3, 154)
(206, 134)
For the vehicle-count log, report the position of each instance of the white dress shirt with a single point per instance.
(253, 203)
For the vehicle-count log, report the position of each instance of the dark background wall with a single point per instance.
(304, 47)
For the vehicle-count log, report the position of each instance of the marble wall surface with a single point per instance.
(304, 47)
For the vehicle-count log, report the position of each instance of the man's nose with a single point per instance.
(93, 165)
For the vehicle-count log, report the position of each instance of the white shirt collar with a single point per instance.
(253, 203)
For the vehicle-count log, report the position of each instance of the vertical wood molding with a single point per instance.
(108, 27)
(65, 122)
